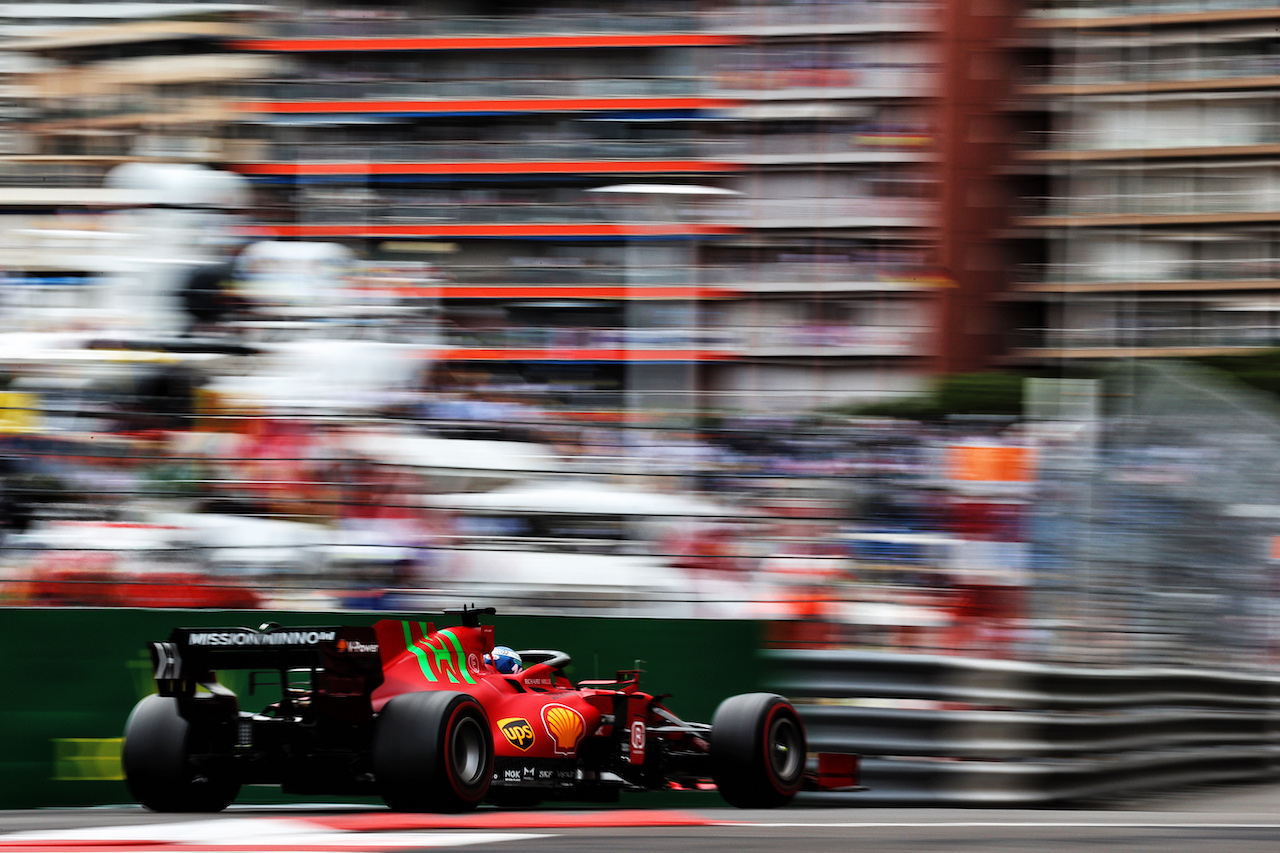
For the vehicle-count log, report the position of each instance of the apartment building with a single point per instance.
(548, 163)
(730, 206)
(874, 193)
(1152, 215)
(717, 206)
(92, 90)
(835, 128)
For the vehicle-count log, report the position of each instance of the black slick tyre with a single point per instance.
(157, 758)
(433, 752)
(758, 750)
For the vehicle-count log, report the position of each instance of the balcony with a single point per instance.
(790, 84)
(109, 78)
(615, 281)
(767, 20)
(633, 344)
(1152, 208)
(363, 160)
(132, 110)
(366, 110)
(1258, 273)
(1136, 12)
(523, 343)
(568, 275)
(1148, 340)
(424, 208)
(832, 341)
(479, 151)
(344, 26)
(29, 173)
(364, 91)
(427, 215)
(875, 144)
(855, 212)
(756, 213)
(1201, 73)
(809, 278)
(1222, 139)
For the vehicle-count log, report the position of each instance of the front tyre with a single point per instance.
(758, 750)
(433, 752)
(157, 757)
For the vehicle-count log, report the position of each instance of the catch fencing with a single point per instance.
(937, 730)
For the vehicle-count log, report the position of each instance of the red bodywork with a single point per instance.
(549, 737)
(537, 713)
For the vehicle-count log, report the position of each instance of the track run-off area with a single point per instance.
(1207, 820)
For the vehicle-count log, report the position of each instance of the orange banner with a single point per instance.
(991, 464)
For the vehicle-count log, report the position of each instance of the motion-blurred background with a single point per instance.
(927, 326)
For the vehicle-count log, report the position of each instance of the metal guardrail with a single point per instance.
(958, 731)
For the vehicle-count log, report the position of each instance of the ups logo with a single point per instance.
(518, 732)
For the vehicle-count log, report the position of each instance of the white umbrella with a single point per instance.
(664, 189)
(578, 498)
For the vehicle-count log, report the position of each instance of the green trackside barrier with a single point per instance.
(71, 676)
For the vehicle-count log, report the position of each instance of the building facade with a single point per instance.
(1150, 222)
(113, 115)
(815, 193)
(720, 206)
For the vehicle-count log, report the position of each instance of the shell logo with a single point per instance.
(566, 727)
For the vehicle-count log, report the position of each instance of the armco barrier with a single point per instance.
(71, 676)
(956, 731)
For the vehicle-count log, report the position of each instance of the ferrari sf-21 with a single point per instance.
(424, 718)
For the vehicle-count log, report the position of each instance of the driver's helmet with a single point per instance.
(505, 660)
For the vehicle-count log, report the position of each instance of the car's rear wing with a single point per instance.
(345, 659)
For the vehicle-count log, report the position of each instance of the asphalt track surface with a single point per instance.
(1227, 819)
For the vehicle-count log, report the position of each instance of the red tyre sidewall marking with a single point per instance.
(448, 755)
(765, 752)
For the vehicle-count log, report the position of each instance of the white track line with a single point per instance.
(979, 824)
(228, 831)
(262, 834)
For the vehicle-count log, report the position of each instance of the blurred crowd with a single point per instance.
(839, 531)
(276, 453)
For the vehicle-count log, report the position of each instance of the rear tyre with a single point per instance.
(433, 752)
(758, 750)
(157, 758)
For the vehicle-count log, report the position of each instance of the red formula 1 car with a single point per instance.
(419, 716)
